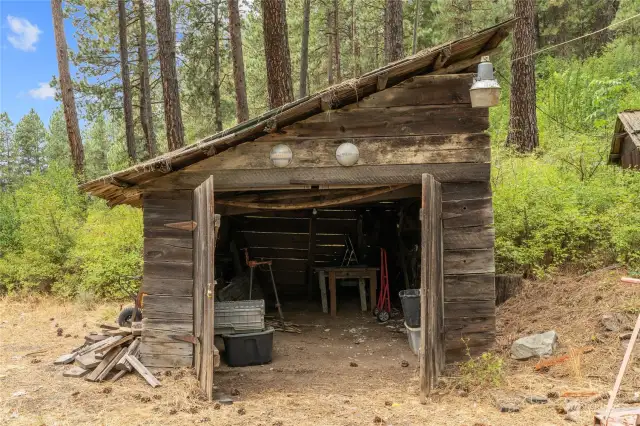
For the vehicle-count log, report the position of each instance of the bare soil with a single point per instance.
(343, 371)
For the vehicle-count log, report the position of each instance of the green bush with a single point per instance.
(108, 248)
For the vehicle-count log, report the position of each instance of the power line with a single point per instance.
(615, 24)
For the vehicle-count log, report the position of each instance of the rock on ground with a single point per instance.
(539, 345)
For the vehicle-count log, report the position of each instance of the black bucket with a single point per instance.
(411, 306)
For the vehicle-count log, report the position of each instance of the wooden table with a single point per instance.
(342, 272)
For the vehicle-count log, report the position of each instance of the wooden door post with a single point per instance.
(431, 287)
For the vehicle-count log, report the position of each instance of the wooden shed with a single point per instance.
(625, 146)
(420, 188)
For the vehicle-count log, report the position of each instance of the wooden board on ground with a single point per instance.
(133, 350)
(142, 370)
(75, 371)
(110, 346)
(93, 377)
(119, 374)
(111, 364)
(88, 361)
(65, 359)
(94, 338)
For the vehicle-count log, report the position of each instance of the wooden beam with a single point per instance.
(311, 253)
(466, 63)
(381, 81)
(355, 175)
(184, 226)
(431, 287)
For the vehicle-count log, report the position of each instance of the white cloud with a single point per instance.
(44, 91)
(24, 35)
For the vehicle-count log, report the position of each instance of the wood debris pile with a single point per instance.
(108, 355)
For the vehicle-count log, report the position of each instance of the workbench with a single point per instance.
(347, 272)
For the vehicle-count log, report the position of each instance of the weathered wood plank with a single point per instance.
(461, 213)
(295, 225)
(106, 361)
(431, 286)
(472, 261)
(321, 253)
(134, 350)
(75, 371)
(149, 346)
(157, 305)
(168, 250)
(456, 148)
(423, 90)
(476, 343)
(158, 217)
(473, 237)
(167, 286)
(167, 196)
(227, 180)
(284, 240)
(469, 309)
(465, 325)
(174, 270)
(110, 366)
(166, 361)
(413, 120)
(142, 370)
(465, 190)
(469, 287)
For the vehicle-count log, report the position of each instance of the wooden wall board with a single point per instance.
(363, 122)
(423, 90)
(473, 237)
(167, 278)
(471, 261)
(246, 179)
(421, 149)
(469, 212)
(471, 287)
(168, 286)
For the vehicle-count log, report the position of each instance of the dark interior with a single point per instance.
(285, 238)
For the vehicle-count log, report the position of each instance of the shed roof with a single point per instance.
(627, 124)
(447, 58)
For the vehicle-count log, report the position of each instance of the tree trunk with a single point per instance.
(330, 47)
(216, 66)
(146, 113)
(304, 49)
(393, 47)
(126, 82)
(235, 31)
(336, 41)
(523, 127)
(170, 87)
(355, 45)
(66, 89)
(416, 18)
(276, 49)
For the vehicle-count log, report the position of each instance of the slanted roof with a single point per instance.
(627, 128)
(448, 58)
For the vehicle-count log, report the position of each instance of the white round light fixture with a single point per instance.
(281, 155)
(347, 154)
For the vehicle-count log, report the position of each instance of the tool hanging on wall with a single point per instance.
(383, 308)
(252, 264)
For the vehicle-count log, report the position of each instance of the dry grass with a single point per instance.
(310, 381)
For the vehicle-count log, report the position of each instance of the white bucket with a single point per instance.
(413, 334)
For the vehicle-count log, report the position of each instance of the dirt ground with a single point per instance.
(311, 379)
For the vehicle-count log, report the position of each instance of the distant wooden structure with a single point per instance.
(625, 146)
(424, 157)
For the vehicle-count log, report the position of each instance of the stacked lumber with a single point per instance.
(108, 355)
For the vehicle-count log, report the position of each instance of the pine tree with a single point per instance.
(7, 130)
(169, 74)
(304, 49)
(235, 34)
(146, 112)
(28, 145)
(98, 147)
(56, 150)
(276, 49)
(393, 40)
(66, 88)
(126, 81)
(523, 126)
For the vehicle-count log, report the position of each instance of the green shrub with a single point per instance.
(108, 247)
(483, 371)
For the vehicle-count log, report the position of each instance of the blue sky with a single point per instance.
(28, 58)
